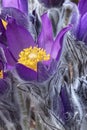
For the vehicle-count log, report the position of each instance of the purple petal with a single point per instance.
(19, 4)
(82, 6)
(52, 67)
(65, 99)
(9, 57)
(26, 73)
(45, 39)
(75, 18)
(1, 65)
(52, 3)
(58, 105)
(81, 32)
(42, 72)
(58, 44)
(18, 38)
(21, 18)
(46, 69)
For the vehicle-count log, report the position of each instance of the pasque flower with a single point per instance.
(18, 9)
(20, 18)
(22, 49)
(80, 31)
(52, 3)
(67, 110)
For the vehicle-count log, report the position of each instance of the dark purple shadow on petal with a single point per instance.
(82, 5)
(1, 65)
(52, 67)
(21, 18)
(45, 39)
(46, 70)
(58, 43)
(18, 38)
(19, 4)
(35, 20)
(9, 57)
(65, 98)
(52, 3)
(58, 105)
(81, 32)
(3, 86)
(3, 38)
(42, 72)
(26, 73)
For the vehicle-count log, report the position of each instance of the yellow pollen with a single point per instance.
(31, 56)
(1, 74)
(4, 23)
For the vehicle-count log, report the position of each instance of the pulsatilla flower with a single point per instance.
(80, 23)
(67, 111)
(52, 3)
(33, 59)
(18, 9)
(20, 18)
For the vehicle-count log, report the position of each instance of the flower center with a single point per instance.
(4, 23)
(31, 56)
(1, 74)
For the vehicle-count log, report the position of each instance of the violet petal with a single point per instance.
(18, 38)
(26, 73)
(65, 98)
(42, 72)
(45, 39)
(58, 44)
(82, 29)
(21, 18)
(82, 6)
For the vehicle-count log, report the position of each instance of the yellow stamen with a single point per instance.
(1, 74)
(31, 56)
(4, 23)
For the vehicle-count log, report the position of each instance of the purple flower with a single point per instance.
(67, 110)
(18, 38)
(17, 9)
(22, 5)
(20, 18)
(52, 3)
(80, 30)
(62, 104)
